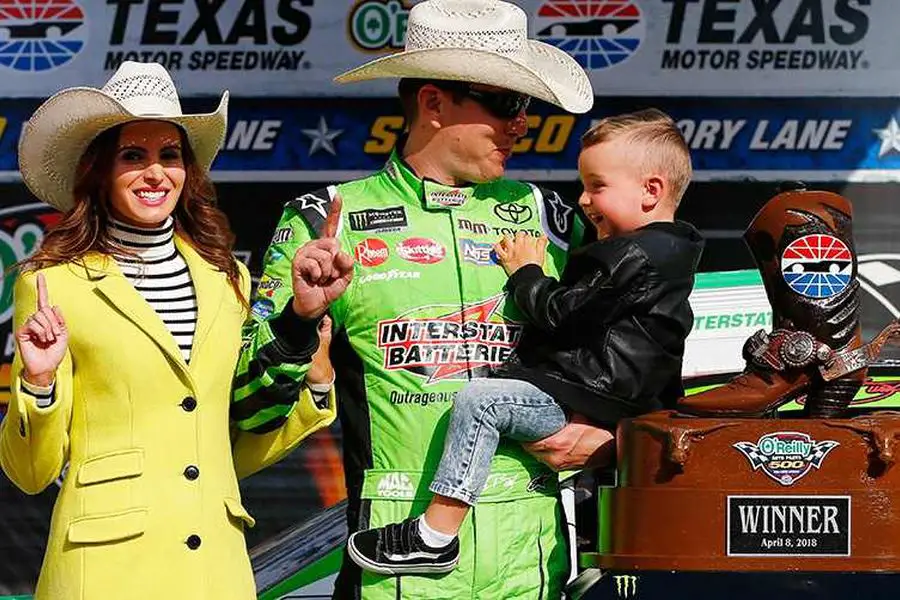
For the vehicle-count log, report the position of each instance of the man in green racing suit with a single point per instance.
(424, 312)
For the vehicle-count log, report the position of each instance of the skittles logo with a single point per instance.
(597, 34)
(40, 35)
(817, 266)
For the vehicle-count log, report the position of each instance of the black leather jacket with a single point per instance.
(607, 340)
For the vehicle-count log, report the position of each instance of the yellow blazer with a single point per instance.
(150, 473)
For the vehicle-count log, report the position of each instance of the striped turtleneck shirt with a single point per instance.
(161, 276)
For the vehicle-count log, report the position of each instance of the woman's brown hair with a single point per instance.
(84, 228)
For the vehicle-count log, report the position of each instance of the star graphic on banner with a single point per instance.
(322, 138)
(890, 138)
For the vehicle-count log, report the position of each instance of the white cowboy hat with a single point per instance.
(60, 130)
(482, 41)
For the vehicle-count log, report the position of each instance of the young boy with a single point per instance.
(604, 343)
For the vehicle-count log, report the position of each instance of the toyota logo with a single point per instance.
(513, 213)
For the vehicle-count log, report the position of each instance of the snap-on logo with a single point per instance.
(421, 250)
(371, 252)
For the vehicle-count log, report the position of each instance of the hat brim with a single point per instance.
(61, 129)
(542, 71)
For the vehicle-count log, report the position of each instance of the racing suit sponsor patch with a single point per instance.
(438, 345)
(374, 219)
(424, 251)
(371, 252)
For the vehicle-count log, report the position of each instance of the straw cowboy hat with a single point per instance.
(482, 41)
(61, 129)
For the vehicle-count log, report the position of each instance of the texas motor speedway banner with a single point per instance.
(296, 47)
(767, 139)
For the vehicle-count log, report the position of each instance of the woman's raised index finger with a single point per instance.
(43, 299)
(334, 217)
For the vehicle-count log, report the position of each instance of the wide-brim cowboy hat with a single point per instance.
(60, 130)
(482, 41)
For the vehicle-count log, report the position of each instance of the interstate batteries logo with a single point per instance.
(766, 35)
(786, 456)
(438, 344)
(39, 35)
(239, 35)
(817, 266)
(597, 33)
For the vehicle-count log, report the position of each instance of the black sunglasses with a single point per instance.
(503, 105)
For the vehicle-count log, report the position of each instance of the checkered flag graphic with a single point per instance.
(820, 450)
(751, 451)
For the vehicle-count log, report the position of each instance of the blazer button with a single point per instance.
(193, 541)
(189, 404)
(191, 472)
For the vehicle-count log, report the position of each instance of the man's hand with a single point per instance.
(321, 370)
(321, 271)
(523, 249)
(577, 445)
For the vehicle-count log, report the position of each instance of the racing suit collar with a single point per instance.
(432, 194)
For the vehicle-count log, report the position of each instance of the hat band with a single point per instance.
(500, 41)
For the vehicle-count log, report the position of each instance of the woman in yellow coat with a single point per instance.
(128, 329)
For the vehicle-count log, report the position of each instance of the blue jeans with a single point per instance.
(484, 411)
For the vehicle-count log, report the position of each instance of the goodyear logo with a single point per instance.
(817, 266)
(40, 36)
(596, 34)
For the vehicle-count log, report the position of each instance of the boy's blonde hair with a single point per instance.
(657, 137)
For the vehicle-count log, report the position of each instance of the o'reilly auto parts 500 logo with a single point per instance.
(439, 344)
(39, 36)
(239, 35)
(781, 35)
(597, 34)
(786, 456)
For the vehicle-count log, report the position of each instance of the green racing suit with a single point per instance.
(424, 313)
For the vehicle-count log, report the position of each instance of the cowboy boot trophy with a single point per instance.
(803, 246)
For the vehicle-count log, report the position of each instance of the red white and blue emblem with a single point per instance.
(39, 35)
(596, 33)
(817, 266)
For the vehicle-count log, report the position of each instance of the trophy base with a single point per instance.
(797, 585)
(753, 495)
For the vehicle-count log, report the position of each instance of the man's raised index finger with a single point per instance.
(43, 300)
(334, 217)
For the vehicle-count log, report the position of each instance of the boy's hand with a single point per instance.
(524, 249)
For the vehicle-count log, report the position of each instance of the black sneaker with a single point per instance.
(398, 549)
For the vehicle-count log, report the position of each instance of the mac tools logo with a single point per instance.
(39, 35)
(817, 266)
(596, 34)
(786, 456)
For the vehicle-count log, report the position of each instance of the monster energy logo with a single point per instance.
(626, 586)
